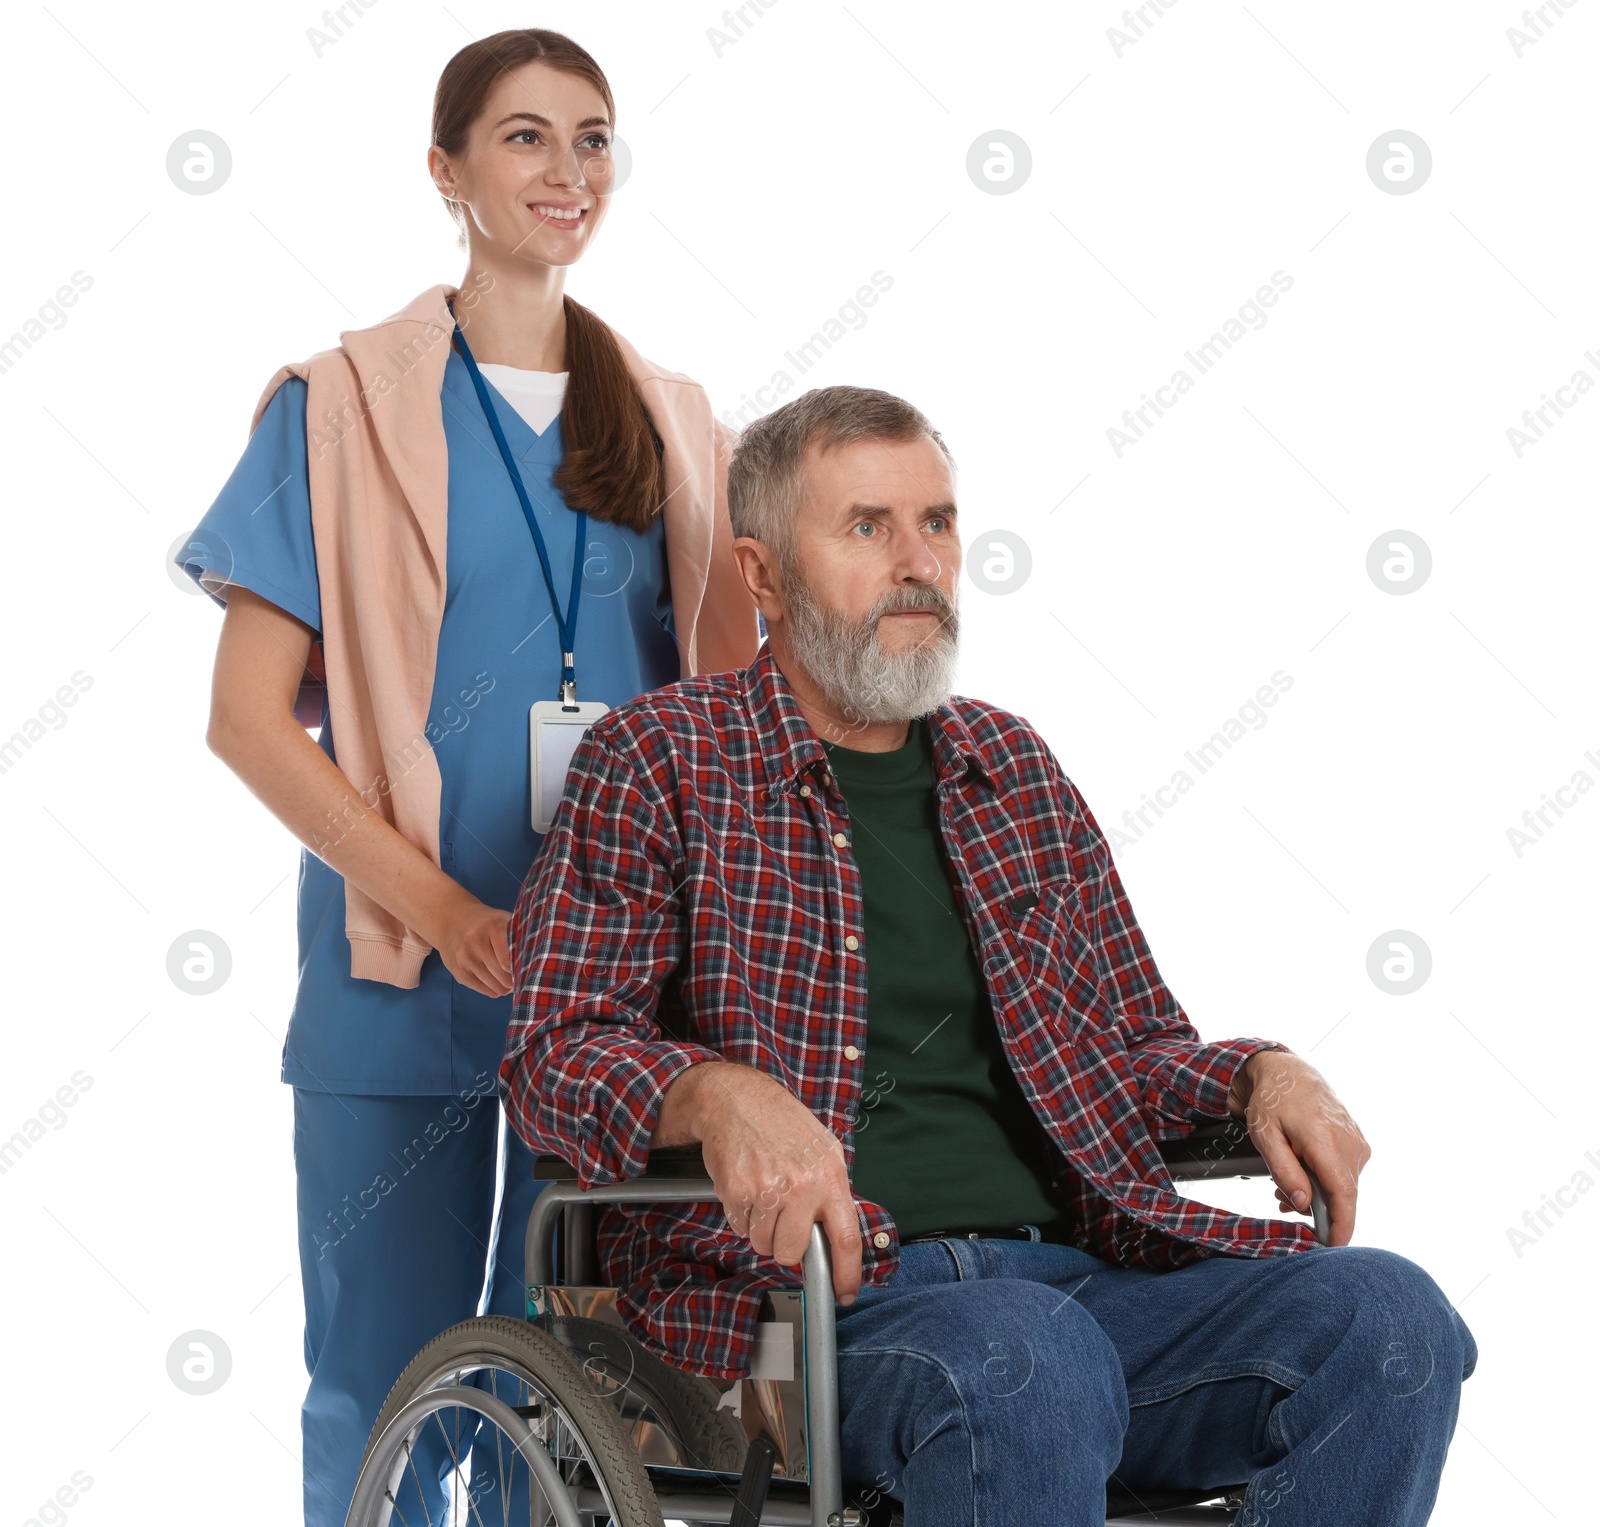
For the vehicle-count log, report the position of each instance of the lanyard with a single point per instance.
(566, 623)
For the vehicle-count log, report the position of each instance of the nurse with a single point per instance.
(463, 526)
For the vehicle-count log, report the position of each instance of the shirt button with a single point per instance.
(881, 1240)
(851, 1053)
(805, 790)
(839, 840)
(851, 941)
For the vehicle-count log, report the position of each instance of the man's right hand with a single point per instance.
(777, 1168)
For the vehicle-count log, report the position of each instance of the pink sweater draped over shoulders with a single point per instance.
(378, 484)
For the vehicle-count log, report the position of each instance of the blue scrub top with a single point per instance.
(499, 651)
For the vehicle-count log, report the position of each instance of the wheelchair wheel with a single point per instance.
(647, 1390)
(522, 1393)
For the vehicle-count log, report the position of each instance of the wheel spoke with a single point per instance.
(396, 1505)
(505, 1492)
(388, 1495)
(422, 1495)
(457, 1472)
(455, 1453)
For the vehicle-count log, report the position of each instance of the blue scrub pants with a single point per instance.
(398, 1241)
(995, 1381)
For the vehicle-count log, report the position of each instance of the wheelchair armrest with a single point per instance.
(1211, 1149)
(668, 1161)
(1223, 1148)
(1220, 1147)
(676, 1161)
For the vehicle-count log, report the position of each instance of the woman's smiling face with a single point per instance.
(536, 177)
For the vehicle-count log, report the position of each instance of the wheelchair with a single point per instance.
(566, 1418)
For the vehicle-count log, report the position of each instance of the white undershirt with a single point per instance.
(536, 395)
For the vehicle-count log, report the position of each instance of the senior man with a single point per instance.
(864, 940)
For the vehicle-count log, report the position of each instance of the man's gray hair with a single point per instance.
(766, 477)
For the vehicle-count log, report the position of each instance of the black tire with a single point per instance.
(534, 1356)
(684, 1404)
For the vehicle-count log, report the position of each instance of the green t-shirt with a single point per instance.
(945, 1138)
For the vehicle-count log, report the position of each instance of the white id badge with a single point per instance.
(554, 732)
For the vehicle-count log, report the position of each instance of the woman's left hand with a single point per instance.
(475, 948)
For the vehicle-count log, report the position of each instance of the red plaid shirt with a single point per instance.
(690, 904)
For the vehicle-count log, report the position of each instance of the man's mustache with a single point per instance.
(926, 598)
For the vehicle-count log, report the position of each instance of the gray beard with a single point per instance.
(848, 663)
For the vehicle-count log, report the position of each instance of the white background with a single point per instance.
(773, 175)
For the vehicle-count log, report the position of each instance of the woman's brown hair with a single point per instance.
(612, 467)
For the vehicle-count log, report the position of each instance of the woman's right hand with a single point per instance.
(475, 947)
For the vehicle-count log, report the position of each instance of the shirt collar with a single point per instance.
(790, 748)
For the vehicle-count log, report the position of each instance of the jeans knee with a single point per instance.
(1004, 1360)
(1421, 1337)
(982, 1384)
(1047, 1360)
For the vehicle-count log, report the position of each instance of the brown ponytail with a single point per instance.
(612, 467)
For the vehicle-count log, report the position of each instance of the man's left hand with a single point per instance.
(1297, 1122)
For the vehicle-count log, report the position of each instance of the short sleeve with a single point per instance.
(258, 532)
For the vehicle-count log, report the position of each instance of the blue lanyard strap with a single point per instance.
(567, 623)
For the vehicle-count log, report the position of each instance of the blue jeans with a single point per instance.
(996, 1381)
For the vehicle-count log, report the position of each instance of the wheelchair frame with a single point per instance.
(1221, 1149)
(794, 1423)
